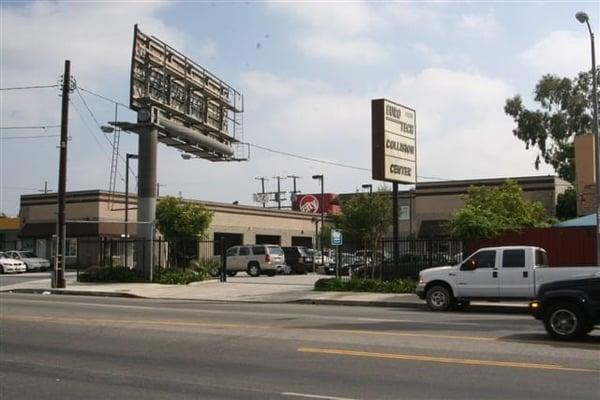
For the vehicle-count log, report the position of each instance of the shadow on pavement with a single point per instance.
(591, 341)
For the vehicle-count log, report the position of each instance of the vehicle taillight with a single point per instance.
(267, 258)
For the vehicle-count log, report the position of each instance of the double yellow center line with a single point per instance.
(444, 360)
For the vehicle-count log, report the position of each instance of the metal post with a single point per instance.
(223, 261)
(322, 216)
(597, 147)
(395, 238)
(59, 269)
(147, 143)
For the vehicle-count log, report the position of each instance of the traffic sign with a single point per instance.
(336, 237)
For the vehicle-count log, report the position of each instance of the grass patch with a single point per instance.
(365, 285)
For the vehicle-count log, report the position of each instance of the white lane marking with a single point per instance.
(315, 396)
(246, 313)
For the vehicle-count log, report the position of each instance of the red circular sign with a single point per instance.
(309, 204)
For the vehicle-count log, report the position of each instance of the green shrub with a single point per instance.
(108, 274)
(365, 285)
(200, 270)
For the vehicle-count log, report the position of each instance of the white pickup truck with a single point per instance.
(493, 273)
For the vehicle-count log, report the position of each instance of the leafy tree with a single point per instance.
(365, 218)
(181, 222)
(489, 212)
(566, 205)
(566, 111)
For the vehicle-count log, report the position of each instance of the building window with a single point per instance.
(70, 247)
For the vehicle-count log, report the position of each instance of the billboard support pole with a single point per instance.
(396, 235)
(147, 143)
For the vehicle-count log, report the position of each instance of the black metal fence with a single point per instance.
(378, 262)
(345, 261)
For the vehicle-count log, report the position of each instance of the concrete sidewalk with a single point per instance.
(278, 289)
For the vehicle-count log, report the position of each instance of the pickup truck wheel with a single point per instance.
(565, 321)
(253, 270)
(438, 298)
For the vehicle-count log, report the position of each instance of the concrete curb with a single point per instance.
(474, 308)
(73, 292)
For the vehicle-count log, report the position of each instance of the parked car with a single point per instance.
(511, 272)
(569, 309)
(32, 262)
(8, 265)
(255, 260)
(319, 258)
(298, 259)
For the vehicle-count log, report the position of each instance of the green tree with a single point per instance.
(366, 218)
(182, 223)
(565, 111)
(566, 205)
(489, 212)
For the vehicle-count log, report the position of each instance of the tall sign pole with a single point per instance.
(394, 153)
(59, 264)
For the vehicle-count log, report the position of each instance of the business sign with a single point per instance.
(336, 238)
(309, 204)
(394, 142)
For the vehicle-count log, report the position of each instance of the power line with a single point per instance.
(29, 127)
(27, 137)
(92, 133)
(104, 98)
(301, 157)
(29, 87)
(100, 127)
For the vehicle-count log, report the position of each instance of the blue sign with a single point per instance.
(336, 238)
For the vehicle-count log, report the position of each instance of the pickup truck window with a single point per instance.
(541, 258)
(513, 259)
(483, 259)
(244, 251)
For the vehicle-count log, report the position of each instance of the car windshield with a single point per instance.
(2, 255)
(275, 250)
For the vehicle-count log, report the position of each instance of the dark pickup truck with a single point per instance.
(569, 309)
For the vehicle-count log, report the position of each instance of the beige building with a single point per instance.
(96, 215)
(424, 212)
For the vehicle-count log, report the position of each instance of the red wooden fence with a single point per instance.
(565, 246)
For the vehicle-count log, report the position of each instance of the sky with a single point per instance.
(308, 72)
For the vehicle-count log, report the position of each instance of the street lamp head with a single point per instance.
(582, 17)
(317, 176)
(107, 129)
(367, 186)
(186, 156)
(133, 156)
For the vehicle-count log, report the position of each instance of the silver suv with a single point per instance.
(256, 259)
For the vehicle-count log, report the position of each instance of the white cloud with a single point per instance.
(331, 48)
(346, 18)
(462, 129)
(564, 53)
(478, 24)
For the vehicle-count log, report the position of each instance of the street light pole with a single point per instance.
(322, 206)
(368, 186)
(584, 19)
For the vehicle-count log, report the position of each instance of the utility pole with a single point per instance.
(294, 192)
(278, 196)
(58, 280)
(158, 185)
(45, 189)
(262, 184)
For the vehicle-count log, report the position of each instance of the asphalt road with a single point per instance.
(68, 347)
